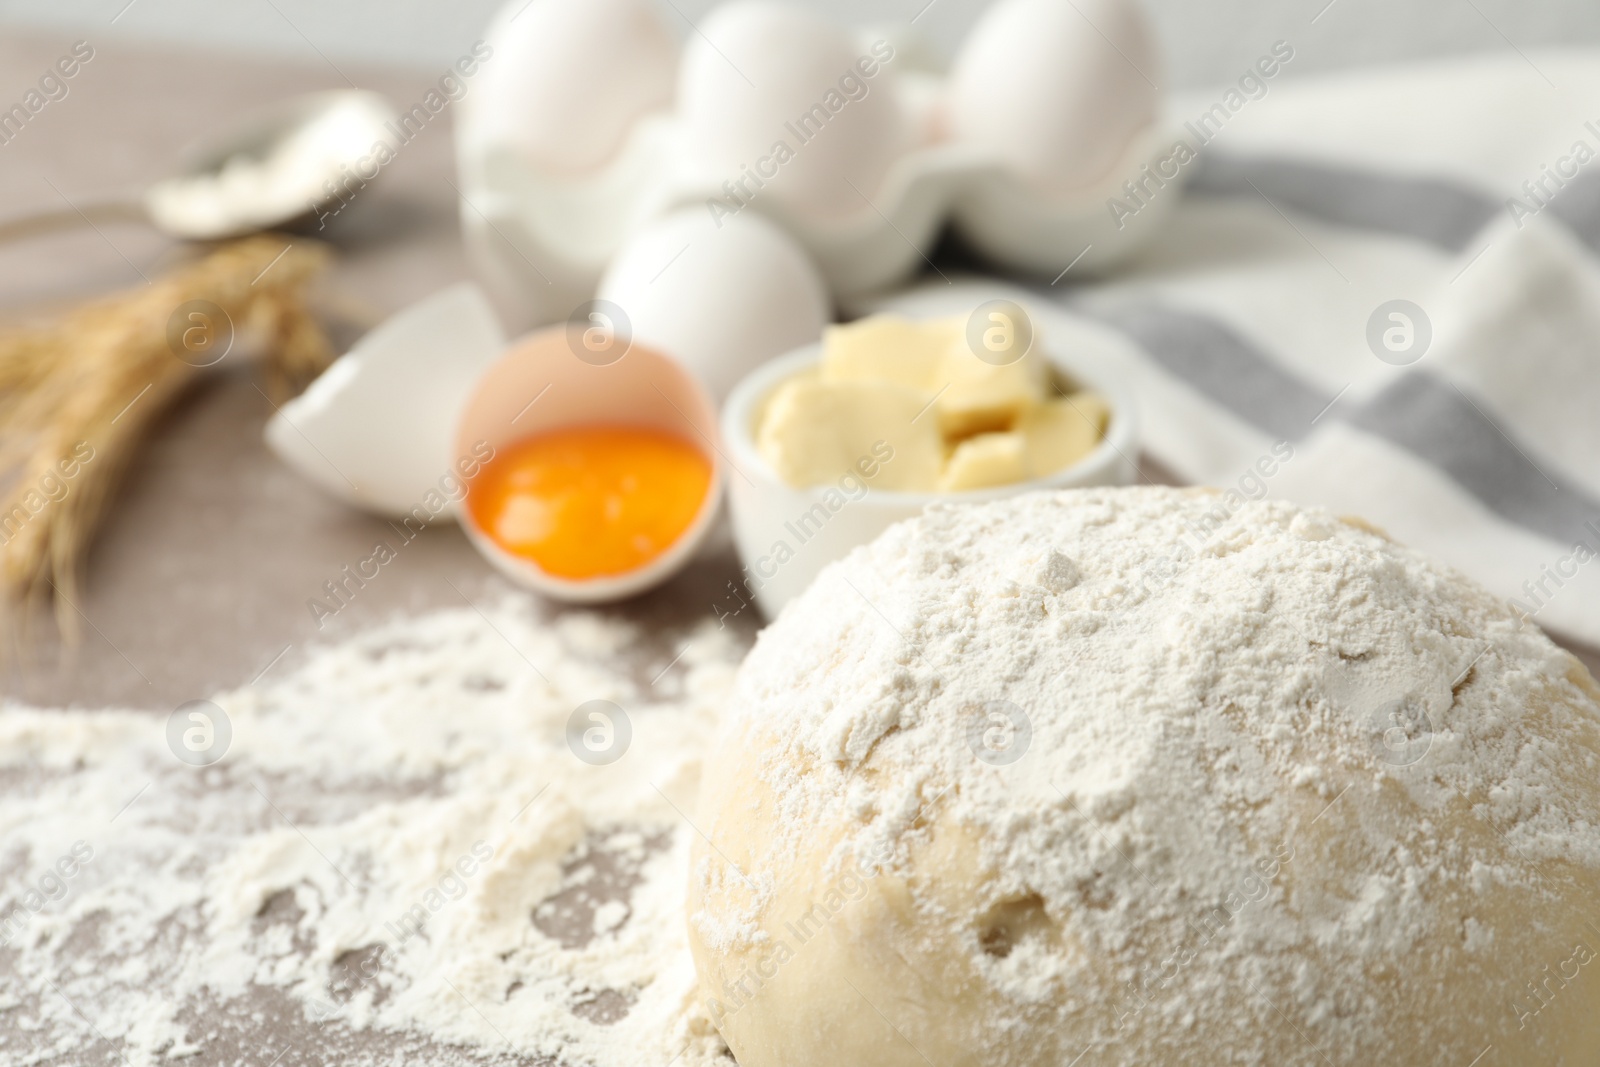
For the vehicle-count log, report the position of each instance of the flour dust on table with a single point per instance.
(458, 838)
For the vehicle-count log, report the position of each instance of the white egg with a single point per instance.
(779, 104)
(1056, 88)
(375, 429)
(567, 80)
(721, 297)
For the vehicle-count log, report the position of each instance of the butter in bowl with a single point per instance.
(835, 442)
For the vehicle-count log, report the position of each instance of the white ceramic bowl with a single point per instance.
(539, 385)
(767, 511)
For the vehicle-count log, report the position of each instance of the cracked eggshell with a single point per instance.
(376, 428)
(567, 80)
(1057, 89)
(720, 297)
(751, 77)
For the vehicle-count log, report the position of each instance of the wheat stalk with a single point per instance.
(93, 381)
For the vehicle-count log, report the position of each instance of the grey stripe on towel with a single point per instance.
(1420, 413)
(1436, 422)
(1225, 367)
(1434, 210)
(1578, 205)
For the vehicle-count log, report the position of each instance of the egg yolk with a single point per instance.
(593, 501)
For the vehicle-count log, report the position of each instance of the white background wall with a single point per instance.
(1206, 41)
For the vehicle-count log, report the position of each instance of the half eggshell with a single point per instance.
(551, 380)
(375, 429)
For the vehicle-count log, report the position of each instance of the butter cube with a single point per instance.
(1061, 432)
(890, 350)
(815, 432)
(918, 391)
(985, 460)
(980, 397)
(933, 356)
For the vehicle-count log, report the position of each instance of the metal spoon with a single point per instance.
(285, 163)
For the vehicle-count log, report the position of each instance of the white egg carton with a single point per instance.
(540, 239)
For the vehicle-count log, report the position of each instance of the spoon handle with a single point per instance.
(43, 222)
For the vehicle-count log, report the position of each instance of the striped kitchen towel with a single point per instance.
(1397, 274)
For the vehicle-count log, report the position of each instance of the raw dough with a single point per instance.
(1256, 786)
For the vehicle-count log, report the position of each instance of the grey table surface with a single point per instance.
(200, 578)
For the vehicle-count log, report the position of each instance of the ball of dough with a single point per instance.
(1147, 776)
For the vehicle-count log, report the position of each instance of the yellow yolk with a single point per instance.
(592, 501)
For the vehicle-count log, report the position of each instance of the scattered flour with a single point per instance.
(398, 859)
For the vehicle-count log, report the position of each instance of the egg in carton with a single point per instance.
(592, 141)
